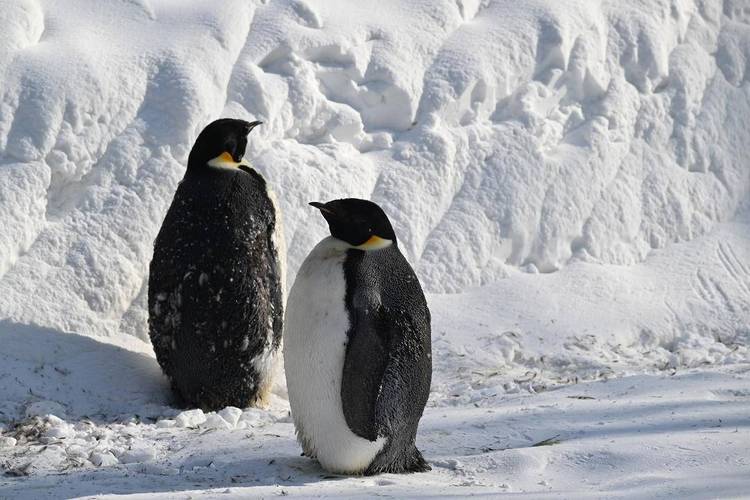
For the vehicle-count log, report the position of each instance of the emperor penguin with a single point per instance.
(357, 347)
(215, 290)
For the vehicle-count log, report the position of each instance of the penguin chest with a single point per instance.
(314, 351)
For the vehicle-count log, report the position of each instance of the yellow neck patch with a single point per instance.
(374, 243)
(225, 160)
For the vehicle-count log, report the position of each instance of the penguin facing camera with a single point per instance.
(215, 285)
(357, 347)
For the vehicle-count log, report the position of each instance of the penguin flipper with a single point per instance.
(403, 392)
(405, 385)
(388, 366)
(364, 365)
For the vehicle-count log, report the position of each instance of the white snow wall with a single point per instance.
(496, 133)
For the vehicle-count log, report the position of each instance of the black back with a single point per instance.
(388, 365)
(215, 287)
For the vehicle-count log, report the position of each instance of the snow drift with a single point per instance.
(569, 179)
(497, 135)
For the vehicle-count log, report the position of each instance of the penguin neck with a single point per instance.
(331, 246)
(195, 169)
(206, 171)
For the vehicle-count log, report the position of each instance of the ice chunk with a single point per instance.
(214, 421)
(103, 459)
(138, 454)
(231, 414)
(7, 442)
(190, 418)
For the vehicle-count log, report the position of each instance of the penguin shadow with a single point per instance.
(282, 469)
(77, 376)
(80, 378)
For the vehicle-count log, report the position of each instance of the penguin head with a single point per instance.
(221, 144)
(360, 223)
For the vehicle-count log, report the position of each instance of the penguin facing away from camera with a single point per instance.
(357, 347)
(215, 293)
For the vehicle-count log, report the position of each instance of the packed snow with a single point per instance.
(570, 181)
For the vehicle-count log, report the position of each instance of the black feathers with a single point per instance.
(388, 365)
(215, 302)
(355, 221)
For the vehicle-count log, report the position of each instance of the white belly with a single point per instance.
(314, 348)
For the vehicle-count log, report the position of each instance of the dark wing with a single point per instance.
(404, 390)
(405, 384)
(387, 371)
(364, 365)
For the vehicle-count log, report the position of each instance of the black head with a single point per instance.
(221, 142)
(360, 223)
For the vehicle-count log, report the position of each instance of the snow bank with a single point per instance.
(498, 135)
(637, 437)
(574, 173)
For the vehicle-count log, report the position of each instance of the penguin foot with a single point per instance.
(418, 463)
(413, 462)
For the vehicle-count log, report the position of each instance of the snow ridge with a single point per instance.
(575, 171)
(497, 136)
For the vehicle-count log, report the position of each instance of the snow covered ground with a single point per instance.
(679, 434)
(569, 179)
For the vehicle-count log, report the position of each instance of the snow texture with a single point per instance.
(570, 180)
(593, 131)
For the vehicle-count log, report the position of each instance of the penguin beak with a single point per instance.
(322, 207)
(250, 126)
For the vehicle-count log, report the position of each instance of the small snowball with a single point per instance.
(7, 442)
(138, 455)
(76, 451)
(60, 432)
(214, 421)
(55, 421)
(104, 459)
(166, 423)
(190, 418)
(231, 415)
(250, 417)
